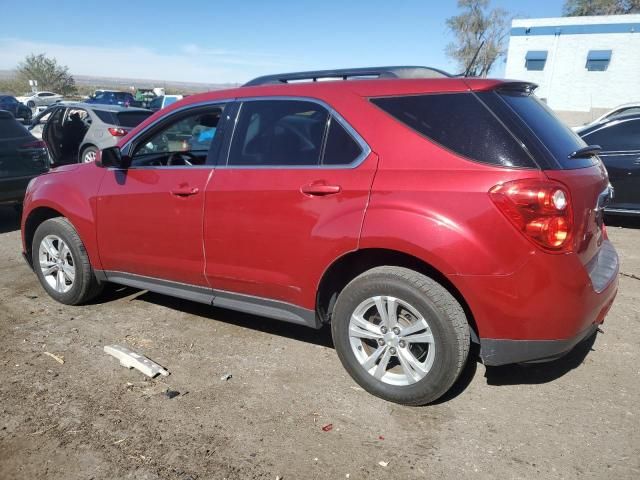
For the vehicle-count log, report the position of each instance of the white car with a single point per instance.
(625, 109)
(37, 99)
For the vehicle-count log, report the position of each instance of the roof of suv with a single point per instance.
(100, 106)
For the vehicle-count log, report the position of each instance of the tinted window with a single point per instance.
(461, 123)
(619, 136)
(341, 148)
(625, 111)
(278, 132)
(106, 117)
(10, 128)
(132, 119)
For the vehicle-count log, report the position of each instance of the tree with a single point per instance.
(48, 73)
(578, 8)
(476, 25)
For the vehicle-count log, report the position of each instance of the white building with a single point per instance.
(584, 66)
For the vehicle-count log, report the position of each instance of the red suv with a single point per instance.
(414, 212)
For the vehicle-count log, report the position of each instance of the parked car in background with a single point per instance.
(112, 97)
(375, 205)
(22, 157)
(37, 99)
(9, 103)
(75, 131)
(159, 103)
(619, 137)
(625, 109)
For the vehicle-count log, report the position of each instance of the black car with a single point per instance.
(22, 157)
(619, 138)
(9, 103)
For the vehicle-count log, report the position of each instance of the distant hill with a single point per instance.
(126, 83)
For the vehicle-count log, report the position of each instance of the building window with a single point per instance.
(535, 60)
(598, 60)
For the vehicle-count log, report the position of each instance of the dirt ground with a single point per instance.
(90, 418)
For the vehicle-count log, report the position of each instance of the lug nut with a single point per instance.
(392, 351)
(402, 344)
(396, 330)
(380, 342)
(383, 329)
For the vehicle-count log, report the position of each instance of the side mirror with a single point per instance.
(112, 158)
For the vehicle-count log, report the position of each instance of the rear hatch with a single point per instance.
(553, 145)
(21, 154)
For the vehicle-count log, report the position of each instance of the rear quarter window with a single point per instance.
(461, 123)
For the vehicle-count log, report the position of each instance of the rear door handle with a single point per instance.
(320, 189)
(184, 191)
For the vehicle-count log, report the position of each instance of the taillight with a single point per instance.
(34, 145)
(541, 210)
(117, 132)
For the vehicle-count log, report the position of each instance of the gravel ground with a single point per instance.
(91, 418)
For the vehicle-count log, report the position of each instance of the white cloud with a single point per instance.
(192, 63)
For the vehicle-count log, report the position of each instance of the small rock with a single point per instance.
(226, 376)
(383, 464)
(171, 393)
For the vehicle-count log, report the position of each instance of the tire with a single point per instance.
(91, 151)
(418, 372)
(31, 104)
(27, 116)
(74, 289)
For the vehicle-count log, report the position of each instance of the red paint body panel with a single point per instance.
(266, 238)
(147, 230)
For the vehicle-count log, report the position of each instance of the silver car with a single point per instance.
(38, 99)
(74, 132)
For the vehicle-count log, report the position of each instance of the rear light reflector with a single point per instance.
(34, 145)
(117, 132)
(541, 210)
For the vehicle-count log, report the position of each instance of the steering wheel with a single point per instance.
(182, 158)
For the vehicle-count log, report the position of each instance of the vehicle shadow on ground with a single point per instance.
(536, 373)
(9, 219)
(622, 221)
(320, 337)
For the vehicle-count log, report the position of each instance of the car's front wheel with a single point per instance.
(62, 264)
(401, 335)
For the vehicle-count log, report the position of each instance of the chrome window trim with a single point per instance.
(364, 146)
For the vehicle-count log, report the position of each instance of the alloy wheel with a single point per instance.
(56, 263)
(391, 340)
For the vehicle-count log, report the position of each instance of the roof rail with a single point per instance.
(350, 73)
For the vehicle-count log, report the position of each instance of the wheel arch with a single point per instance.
(34, 219)
(347, 267)
(83, 147)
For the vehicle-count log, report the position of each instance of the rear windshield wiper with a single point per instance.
(587, 151)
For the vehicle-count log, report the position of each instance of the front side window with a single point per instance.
(183, 141)
(278, 132)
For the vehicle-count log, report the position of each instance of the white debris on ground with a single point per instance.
(132, 359)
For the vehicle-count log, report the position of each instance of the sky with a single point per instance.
(232, 41)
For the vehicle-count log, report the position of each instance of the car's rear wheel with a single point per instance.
(31, 104)
(88, 155)
(62, 264)
(400, 335)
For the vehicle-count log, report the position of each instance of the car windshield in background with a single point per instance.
(132, 119)
(169, 100)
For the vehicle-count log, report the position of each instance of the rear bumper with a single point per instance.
(543, 310)
(502, 352)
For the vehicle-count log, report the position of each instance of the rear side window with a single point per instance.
(619, 136)
(341, 148)
(460, 123)
(132, 119)
(105, 116)
(278, 133)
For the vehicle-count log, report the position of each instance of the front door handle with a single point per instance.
(320, 189)
(184, 191)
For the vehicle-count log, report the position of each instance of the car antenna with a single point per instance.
(473, 60)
